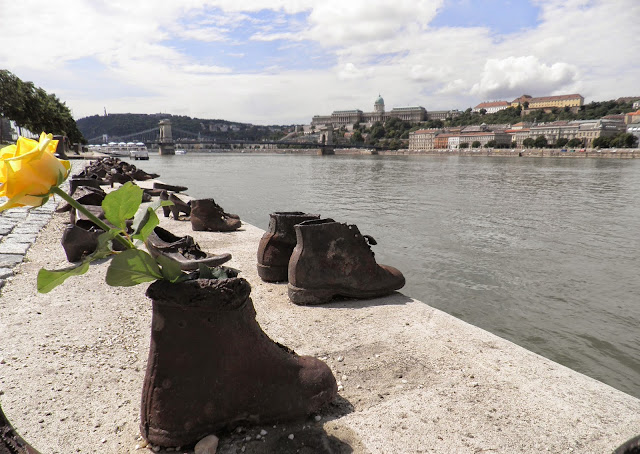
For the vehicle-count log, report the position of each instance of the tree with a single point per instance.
(525, 104)
(464, 145)
(561, 142)
(540, 142)
(357, 137)
(574, 142)
(475, 144)
(528, 142)
(33, 108)
(377, 131)
(602, 142)
(483, 111)
(491, 144)
(624, 140)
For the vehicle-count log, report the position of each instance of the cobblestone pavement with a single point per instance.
(19, 228)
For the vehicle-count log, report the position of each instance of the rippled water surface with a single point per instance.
(543, 252)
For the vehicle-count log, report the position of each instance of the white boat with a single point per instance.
(181, 151)
(122, 149)
(139, 151)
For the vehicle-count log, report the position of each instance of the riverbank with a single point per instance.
(414, 379)
(622, 153)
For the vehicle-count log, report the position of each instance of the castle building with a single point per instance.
(491, 107)
(549, 102)
(348, 118)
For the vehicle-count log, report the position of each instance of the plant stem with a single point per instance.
(93, 218)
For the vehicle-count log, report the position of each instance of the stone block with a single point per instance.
(8, 246)
(6, 272)
(27, 228)
(15, 214)
(21, 237)
(10, 260)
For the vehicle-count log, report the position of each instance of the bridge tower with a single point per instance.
(166, 145)
(326, 141)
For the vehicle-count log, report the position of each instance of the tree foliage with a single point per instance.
(33, 108)
(540, 142)
(622, 140)
(512, 115)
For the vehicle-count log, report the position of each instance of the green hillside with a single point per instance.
(183, 127)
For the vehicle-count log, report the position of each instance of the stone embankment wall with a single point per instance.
(629, 153)
(622, 153)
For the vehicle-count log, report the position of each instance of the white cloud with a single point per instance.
(340, 23)
(203, 69)
(510, 77)
(350, 71)
(205, 34)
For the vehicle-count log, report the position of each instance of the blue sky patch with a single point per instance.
(500, 16)
(240, 47)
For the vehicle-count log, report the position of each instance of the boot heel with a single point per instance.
(166, 211)
(303, 297)
(273, 273)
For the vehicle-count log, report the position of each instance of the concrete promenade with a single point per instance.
(413, 379)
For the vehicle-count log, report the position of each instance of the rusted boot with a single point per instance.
(79, 239)
(211, 367)
(333, 259)
(207, 215)
(276, 245)
(179, 205)
(10, 441)
(182, 249)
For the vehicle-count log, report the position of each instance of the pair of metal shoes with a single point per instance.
(204, 214)
(81, 239)
(322, 259)
(179, 205)
(182, 249)
(207, 215)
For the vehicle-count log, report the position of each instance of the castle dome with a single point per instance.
(379, 100)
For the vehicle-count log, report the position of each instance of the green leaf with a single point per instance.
(146, 219)
(145, 224)
(204, 272)
(170, 268)
(48, 280)
(122, 204)
(132, 267)
(218, 272)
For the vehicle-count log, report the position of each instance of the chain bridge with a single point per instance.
(165, 138)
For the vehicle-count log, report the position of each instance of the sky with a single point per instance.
(280, 62)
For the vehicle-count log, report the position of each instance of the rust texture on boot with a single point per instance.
(276, 245)
(333, 259)
(211, 367)
(10, 441)
(207, 215)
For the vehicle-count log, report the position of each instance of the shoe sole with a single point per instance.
(273, 273)
(305, 297)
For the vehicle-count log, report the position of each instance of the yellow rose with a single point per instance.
(29, 169)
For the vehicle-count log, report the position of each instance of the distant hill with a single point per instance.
(119, 126)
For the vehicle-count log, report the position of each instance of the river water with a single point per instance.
(544, 252)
